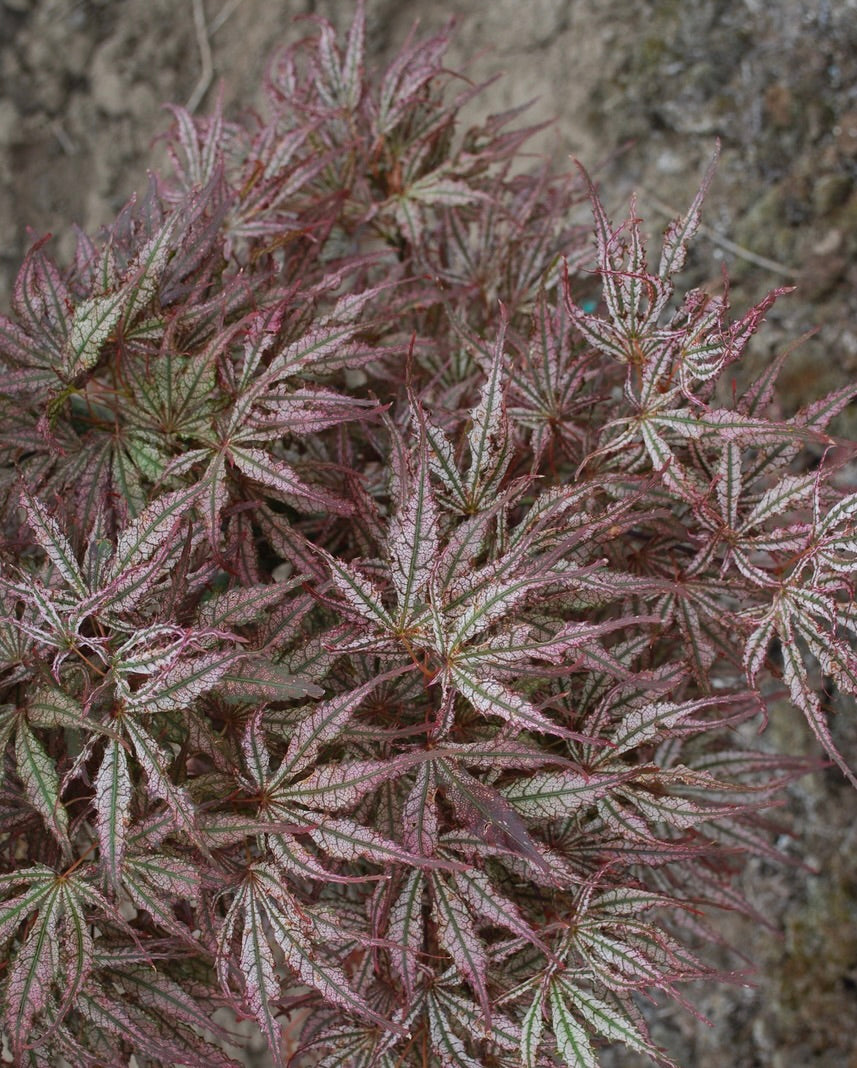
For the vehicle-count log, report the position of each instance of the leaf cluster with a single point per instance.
(389, 593)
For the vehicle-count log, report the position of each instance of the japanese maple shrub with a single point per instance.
(389, 597)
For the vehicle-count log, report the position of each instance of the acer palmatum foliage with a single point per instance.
(377, 623)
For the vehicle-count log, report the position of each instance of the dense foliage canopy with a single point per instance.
(392, 582)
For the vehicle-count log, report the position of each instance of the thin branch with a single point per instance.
(65, 142)
(204, 44)
(224, 14)
(730, 246)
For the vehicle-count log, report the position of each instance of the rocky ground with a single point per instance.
(641, 90)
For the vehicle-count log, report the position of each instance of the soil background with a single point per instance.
(640, 91)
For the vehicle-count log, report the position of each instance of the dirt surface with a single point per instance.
(641, 90)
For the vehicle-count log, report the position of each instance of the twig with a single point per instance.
(725, 243)
(224, 14)
(207, 72)
(65, 142)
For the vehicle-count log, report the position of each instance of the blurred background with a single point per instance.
(640, 91)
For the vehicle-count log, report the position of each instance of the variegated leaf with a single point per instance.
(51, 707)
(446, 1043)
(413, 540)
(14, 910)
(492, 698)
(572, 1042)
(256, 961)
(351, 841)
(113, 792)
(182, 682)
(531, 1031)
(360, 593)
(151, 529)
(807, 699)
(485, 900)
(406, 931)
(321, 725)
(279, 476)
(559, 794)
(263, 899)
(419, 813)
(54, 542)
(497, 821)
(34, 970)
(681, 230)
(608, 1020)
(93, 322)
(257, 678)
(458, 936)
(41, 781)
(155, 763)
(488, 438)
(144, 274)
(339, 786)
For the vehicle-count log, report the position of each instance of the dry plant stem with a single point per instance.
(224, 15)
(207, 64)
(725, 243)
